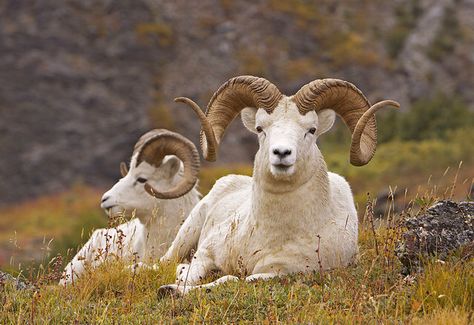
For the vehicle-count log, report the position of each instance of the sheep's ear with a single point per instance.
(248, 118)
(170, 166)
(326, 119)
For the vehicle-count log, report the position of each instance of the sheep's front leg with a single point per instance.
(260, 276)
(120, 242)
(188, 235)
(139, 266)
(181, 290)
(193, 273)
(86, 255)
(188, 276)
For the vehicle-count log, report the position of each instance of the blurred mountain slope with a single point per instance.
(80, 80)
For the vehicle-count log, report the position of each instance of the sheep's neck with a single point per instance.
(171, 214)
(300, 207)
(162, 227)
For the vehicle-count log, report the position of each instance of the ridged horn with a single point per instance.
(226, 103)
(155, 145)
(352, 106)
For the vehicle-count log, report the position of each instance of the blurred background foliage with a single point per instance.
(435, 117)
(428, 118)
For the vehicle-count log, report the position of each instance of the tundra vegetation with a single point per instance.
(371, 291)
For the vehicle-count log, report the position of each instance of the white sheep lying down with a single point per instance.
(159, 191)
(292, 215)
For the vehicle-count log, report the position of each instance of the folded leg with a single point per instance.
(181, 289)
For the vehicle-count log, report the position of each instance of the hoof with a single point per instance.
(168, 290)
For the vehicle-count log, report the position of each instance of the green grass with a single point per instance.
(373, 291)
(431, 167)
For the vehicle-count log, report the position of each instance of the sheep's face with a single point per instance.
(287, 140)
(128, 196)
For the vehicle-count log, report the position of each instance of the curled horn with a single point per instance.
(226, 103)
(352, 106)
(155, 145)
(123, 169)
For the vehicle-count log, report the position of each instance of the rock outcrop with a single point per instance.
(443, 228)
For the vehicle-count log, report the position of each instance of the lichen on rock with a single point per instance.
(443, 228)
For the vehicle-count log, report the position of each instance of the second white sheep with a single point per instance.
(158, 192)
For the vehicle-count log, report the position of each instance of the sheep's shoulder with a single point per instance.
(340, 190)
(230, 184)
(227, 196)
(338, 183)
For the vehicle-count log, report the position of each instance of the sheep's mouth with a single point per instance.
(117, 211)
(112, 211)
(282, 169)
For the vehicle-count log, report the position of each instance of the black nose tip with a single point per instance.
(105, 198)
(282, 153)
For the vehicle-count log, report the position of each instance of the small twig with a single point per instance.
(120, 241)
(390, 229)
(369, 211)
(36, 295)
(319, 256)
(187, 273)
(134, 274)
(321, 274)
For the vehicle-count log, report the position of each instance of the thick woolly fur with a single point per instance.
(274, 222)
(154, 222)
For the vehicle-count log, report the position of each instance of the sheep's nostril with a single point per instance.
(282, 153)
(105, 198)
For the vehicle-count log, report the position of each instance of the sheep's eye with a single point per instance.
(141, 180)
(259, 129)
(312, 130)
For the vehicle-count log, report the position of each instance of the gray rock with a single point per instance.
(6, 278)
(444, 227)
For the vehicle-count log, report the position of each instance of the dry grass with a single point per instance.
(372, 291)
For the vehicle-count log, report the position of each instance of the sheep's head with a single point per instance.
(288, 126)
(164, 165)
(287, 141)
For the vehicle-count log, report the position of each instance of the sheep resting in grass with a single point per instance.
(158, 192)
(292, 215)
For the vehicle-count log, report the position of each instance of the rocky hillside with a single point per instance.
(80, 80)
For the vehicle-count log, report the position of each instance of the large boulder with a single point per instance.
(444, 227)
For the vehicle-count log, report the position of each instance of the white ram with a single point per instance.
(159, 191)
(292, 215)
